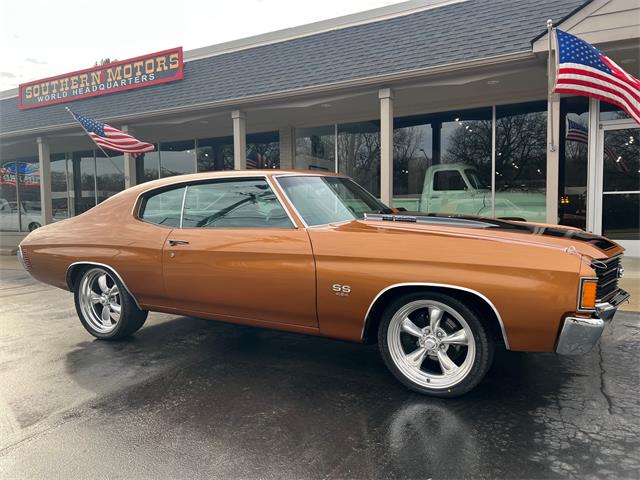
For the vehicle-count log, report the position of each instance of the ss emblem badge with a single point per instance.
(341, 290)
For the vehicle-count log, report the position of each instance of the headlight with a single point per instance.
(587, 293)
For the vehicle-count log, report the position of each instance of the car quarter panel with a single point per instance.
(532, 287)
(107, 234)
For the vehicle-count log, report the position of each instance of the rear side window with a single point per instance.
(246, 203)
(163, 208)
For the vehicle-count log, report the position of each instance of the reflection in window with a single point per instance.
(233, 204)
(621, 184)
(621, 216)
(573, 147)
(263, 150)
(29, 194)
(147, 166)
(215, 154)
(109, 174)
(9, 217)
(521, 138)
(439, 147)
(609, 111)
(59, 188)
(315, 148)
(177, 158)
(359, 153)
(84, 181)
(164, 208)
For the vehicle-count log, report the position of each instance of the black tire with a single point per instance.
(131, 318)
(33, 226)
(477, 365)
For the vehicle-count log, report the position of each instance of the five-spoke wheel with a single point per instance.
(100, 300)
(435, 344)
(105, 308)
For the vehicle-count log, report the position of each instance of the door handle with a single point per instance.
(173, 243)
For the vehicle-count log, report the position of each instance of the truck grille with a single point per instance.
(608, 271)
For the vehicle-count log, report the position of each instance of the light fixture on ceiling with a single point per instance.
(626, 61)
(493, 82)
(204, 121)
(325, 105)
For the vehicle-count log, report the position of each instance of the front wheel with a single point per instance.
(434, 344)
(104, 306)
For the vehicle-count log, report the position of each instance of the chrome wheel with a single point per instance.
(99, 300)
(431, 344)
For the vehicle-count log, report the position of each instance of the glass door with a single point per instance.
(619, 196)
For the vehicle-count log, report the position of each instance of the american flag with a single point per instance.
(585, 70)
(105, 136)
(577, 132)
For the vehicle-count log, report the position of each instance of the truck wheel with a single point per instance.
(105, 308)
(434, 344)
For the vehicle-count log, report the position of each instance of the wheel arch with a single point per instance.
(477, 300)
(75, 268)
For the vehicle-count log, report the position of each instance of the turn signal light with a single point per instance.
(588, 289)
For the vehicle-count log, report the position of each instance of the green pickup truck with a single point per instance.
(456, 188)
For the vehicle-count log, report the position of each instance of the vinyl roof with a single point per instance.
(452, 33)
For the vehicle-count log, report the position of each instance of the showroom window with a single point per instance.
(177, 158)
(263, 150)
(316, 148)
(9, 216)
(446, 152)
(20, 206)
(246, 203)
(60, 199)
(573, 149)
(109, 174)
(84, 181)
(359, 153)
(148, 166)
(215, 154)
(521, 159)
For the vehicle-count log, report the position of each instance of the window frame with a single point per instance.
(144, 196)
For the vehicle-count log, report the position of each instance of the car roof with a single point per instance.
(196, 177)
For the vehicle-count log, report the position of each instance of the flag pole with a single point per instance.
(550, 84)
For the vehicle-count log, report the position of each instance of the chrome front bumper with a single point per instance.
(579, 335)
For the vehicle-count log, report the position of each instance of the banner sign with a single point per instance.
(136, 72)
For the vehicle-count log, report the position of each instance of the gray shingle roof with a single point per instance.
(448, 34)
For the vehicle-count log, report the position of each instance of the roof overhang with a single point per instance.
(386, 80)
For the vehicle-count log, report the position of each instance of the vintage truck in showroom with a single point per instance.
(315, 253)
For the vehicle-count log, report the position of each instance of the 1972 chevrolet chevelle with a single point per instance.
(315, 253)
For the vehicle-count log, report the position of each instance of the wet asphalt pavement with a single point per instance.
(188, 398)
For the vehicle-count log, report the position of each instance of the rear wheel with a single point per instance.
(105, 308)
(434, 344)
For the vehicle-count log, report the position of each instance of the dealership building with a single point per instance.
(434, 106)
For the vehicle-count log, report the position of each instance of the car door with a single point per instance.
(238, 254)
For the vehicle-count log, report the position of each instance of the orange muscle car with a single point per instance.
(315, 253)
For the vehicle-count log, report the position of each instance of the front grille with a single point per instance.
(24, 258)
(608, 274)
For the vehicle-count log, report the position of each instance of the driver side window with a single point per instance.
(242, 203)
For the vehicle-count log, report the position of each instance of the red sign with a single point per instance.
(161, 67)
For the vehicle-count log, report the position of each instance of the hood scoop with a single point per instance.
(448, 221)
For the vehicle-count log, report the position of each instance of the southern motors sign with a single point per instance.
(136, 72)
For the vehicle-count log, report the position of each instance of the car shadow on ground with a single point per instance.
(301, 400)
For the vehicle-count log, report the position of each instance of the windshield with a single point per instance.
(321, 200)
(475, 181)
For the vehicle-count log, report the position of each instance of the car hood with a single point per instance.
(499, 230)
